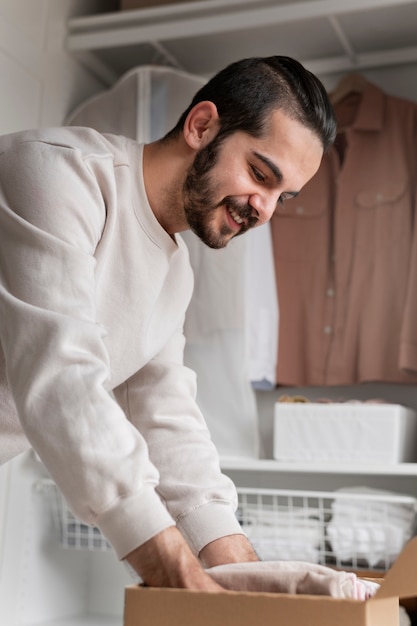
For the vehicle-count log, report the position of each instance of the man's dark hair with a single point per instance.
(247, 91)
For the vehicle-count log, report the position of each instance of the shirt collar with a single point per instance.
(370, 114)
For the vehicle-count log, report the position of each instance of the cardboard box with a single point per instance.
(145, 606)
(344, 432)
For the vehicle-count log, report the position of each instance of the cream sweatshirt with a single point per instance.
(93, 294)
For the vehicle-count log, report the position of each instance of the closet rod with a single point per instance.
(363, 61)
(321, 67)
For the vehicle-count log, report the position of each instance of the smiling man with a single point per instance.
(256, 173)
(94, 284)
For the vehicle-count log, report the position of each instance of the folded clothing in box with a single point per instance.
(293, 577)
(344, 432)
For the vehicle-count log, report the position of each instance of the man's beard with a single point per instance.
(200, 205)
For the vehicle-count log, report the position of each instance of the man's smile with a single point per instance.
(236, 217)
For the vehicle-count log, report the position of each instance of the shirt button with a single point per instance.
(299, 210)
(330, 292)
(327, 330)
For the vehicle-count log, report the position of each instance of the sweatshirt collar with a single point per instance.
(143, 209)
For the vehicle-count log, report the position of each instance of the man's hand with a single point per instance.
(230, 549)
(167, 561)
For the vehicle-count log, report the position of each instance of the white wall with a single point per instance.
(40, 83)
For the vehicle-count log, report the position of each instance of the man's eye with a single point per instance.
(283, 197)
(258, 174)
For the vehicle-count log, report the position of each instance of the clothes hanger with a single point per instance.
(351, 83)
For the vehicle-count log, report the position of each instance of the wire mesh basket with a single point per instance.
(354, 529)
(351, 529)
(72, 532)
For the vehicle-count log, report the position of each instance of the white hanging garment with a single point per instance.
(216, 346)
(145, 104)
(261, 307)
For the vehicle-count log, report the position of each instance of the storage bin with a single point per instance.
(344, 433)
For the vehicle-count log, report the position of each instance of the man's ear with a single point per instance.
(201, 124)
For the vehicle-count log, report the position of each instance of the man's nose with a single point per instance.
(264, 205)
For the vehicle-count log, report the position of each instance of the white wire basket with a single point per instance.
(355, 529)
(359, 529)
(72, 532)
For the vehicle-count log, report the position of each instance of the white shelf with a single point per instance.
(328, 36)
(270, 465)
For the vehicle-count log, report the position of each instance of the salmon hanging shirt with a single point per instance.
(346, 253)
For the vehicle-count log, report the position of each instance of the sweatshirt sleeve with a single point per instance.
(52, 214)
(160, 401)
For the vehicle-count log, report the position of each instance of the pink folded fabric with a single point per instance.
(294, 577)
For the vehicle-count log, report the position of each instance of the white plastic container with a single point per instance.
(344, 433)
